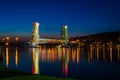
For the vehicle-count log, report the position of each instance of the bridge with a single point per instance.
(45, 41)
(36, 39)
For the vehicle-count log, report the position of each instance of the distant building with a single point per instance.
(64, 33)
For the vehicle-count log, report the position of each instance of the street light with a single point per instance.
(7, 38)
(16, 39)
(7, 41)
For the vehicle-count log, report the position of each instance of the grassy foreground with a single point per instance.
(35, 77)
(8, 74)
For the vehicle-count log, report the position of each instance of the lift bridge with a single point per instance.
(48, 41)
(36, 39)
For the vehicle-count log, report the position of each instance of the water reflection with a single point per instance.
(77, 54)
(7, 56)
(16, 56)
(118, 46)
(59, 61)
(90, 54)
(97, 52)
(104, 57)
(35, 61)
(111, 54)
(74, 54)
(65, 61)
(1, 54)
(82, 53)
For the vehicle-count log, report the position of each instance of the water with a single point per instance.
(79, 63)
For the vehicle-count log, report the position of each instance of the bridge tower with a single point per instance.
(64, 34)
(35, 34)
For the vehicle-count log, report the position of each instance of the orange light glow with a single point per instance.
(118, 52)
(16, 57)
(7, 38)
(97, 53)
(7, 57)
(111, 54)
(6, 44)
(16, 38)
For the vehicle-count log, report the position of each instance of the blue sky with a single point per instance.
(83, 17)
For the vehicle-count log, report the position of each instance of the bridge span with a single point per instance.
(43, 40)
(37, 40)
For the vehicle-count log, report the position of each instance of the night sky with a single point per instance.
(83, 17)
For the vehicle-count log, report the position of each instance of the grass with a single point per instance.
(5, 72)
(8, 74)
(35, 77)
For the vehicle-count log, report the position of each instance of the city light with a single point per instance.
(60, 39)
(6, 43)
(16, 38)
(7, 38)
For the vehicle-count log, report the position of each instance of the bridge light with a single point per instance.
(35, 24)
(66, 26)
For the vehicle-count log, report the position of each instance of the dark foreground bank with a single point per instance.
(8, 74)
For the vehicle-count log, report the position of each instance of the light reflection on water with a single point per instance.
(7, 57)
(60, 62)
(16, 56)
(35, 61)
